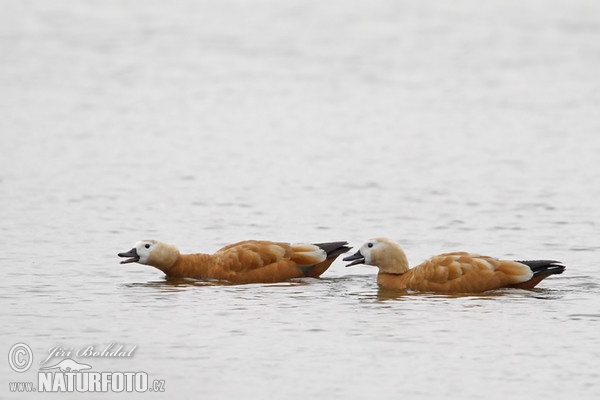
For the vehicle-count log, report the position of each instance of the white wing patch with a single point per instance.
(308, 254)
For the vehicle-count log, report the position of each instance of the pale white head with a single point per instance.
(152, 252)
(383, 253)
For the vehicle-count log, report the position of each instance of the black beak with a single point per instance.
(356, 258)
(134, 257)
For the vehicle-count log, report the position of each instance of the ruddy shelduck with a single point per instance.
(458, 272)
(252, 261)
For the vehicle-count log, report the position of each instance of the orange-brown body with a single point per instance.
(458, 272)
(250, 261)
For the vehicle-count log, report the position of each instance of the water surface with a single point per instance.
(465, 126)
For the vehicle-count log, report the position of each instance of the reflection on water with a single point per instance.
(591, 317)
(170, 284)
(384, 294)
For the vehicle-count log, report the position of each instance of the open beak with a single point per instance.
(356, 258)
(134, 257)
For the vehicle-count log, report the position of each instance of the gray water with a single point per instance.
(446, 126)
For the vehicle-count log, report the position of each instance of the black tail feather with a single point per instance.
(545, 267)
(334, 249)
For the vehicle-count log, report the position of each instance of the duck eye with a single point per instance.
(147, 245)
(369, 245)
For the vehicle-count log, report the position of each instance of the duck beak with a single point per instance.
(134, 257)
(356, 258)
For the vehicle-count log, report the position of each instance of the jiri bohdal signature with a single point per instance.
(111, 350)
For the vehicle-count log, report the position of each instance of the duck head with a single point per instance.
(383, 253)
(152, 252)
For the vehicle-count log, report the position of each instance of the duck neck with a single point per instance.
(164, 257)
(395, 263)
